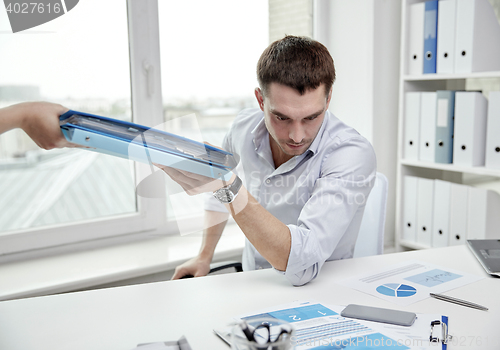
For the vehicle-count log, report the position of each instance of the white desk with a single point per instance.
(120, 318)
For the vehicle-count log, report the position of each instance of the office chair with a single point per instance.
(371, 232)
(370, 239)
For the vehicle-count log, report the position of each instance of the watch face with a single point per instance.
(224, 195)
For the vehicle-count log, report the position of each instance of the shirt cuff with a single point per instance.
(212, 204)
(303, 264)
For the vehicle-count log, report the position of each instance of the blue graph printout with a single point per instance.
(433, 278)
(396, 290)
(331, 332)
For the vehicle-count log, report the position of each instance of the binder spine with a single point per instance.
(430, 36)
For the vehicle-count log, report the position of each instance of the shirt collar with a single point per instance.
(260, 133)
(317, 140)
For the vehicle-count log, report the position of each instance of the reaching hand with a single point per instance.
(41, 123)
(40, 120)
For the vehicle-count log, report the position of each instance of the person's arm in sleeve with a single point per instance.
(299, 251)
(40, 120)
(339, 195)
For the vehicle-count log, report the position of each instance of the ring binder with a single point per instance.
(445, 337)
(145, 144)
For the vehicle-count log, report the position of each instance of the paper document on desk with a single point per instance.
(321, 327)
(409, 282)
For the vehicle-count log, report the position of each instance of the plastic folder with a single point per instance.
(146, 145)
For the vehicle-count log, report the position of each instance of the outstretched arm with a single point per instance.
(40, 120)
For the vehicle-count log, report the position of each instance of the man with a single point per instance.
(305, 175)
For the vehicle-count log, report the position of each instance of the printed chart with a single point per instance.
(396, 290)
(409, 282)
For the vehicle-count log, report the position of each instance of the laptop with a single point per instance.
(487, 251)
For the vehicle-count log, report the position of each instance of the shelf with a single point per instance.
(452, 167)
(431, 77)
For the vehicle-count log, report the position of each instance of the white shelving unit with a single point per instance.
(446, 172)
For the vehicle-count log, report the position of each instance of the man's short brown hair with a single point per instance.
(297, 62)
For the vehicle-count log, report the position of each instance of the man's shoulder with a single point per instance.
(337, 132)
(352, 152)
(245, 122)
(249, 117)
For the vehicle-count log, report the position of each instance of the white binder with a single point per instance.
(416, 39)
(412, 125)
(410, 208)
(470, 128)
(477, 38)
(446, 36)
(427, 141)
(441, 219)
(458, 214)
(425, 211)
(493, 131)
(483, 214)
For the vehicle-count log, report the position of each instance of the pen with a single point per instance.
(458, 301)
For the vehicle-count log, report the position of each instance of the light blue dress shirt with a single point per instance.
(320, 195)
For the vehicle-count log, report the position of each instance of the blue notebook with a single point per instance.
(146, 145)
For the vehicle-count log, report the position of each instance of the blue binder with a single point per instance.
(147, 145)
(430, 36)
(445, 113)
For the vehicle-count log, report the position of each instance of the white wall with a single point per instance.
(363, 37)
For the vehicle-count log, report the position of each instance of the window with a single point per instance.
(64, 196)
(86, 61)
(209, 52)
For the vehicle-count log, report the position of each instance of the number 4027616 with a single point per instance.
(33, 7)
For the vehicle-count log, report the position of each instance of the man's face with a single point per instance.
(293, 120)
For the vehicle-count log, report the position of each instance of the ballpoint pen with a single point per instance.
(458, 301)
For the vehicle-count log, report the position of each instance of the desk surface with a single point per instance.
(120, 318)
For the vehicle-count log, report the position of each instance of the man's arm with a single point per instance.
(267, 234)
(40, 120)
(200, 265)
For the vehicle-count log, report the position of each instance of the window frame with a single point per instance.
(147, 109)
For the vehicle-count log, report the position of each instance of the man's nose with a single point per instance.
(297, 133)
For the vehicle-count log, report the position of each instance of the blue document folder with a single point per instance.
(430, 36)
(445, 113)
(147, 145)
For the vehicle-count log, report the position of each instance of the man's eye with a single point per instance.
(282, 118)
(312, 118)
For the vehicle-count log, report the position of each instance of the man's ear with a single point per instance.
(260, 98)
(329, 98)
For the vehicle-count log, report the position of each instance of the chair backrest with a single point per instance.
(371, 232)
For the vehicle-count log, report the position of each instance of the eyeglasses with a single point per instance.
(267, 336)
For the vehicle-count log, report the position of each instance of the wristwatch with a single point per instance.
(227, 194)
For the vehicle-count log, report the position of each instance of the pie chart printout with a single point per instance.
(396, 290)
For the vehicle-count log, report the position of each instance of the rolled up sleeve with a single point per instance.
(329, 222)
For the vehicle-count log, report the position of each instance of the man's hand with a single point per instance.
(196, 267)
(193, 183)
